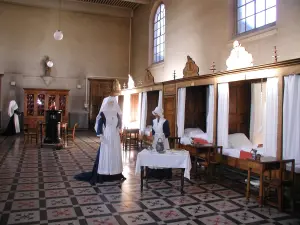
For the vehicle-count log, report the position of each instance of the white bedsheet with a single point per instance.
(233, 152)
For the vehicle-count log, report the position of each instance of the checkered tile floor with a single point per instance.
(37, 187)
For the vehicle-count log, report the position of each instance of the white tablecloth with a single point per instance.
(170, 159)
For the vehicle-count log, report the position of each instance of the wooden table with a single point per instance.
(130, 135)
(270, 165)
(170, 159)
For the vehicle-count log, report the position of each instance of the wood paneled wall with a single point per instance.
(99, 89)
(195, 107)
(152, 102)
(239, 107)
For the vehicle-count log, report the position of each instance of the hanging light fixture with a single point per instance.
(58, 34)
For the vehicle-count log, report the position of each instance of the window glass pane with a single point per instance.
(260, 5)
(270, 3)
(260, 19)
(241, 26)
(241, 2)
(271, 15)
(250, 9)
(249, 1)
(241, 13)
(250, 23)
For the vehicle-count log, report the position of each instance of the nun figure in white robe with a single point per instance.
(108, 165)
(13, 126)
(160, 130)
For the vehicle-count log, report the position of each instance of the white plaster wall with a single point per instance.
(93, 46)
(203, 29)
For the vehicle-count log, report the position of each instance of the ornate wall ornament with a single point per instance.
(239, 57)
(190, 69)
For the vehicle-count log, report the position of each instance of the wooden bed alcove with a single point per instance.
(195, 107)
(239, 107)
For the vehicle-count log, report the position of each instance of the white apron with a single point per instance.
(159, 133)
(110, 159)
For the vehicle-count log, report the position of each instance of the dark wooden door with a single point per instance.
(170, 112)
(152, 102)
(99, 89)
(239, 107)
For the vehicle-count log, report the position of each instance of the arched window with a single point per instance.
(159, 34)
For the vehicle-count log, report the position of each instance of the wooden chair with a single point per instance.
(72, 135)
(31, 133)
(276, 182)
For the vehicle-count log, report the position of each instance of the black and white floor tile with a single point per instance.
(37, 187)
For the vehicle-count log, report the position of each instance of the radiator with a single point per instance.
(80, 118)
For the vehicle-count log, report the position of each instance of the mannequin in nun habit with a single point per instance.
(160, 130)
(13, 126)
(108, 165)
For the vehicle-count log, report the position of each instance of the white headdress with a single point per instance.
(12, 107)
(158, 111)
(109, 104)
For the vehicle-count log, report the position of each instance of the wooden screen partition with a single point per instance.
(152, 102)
(134, 107)
(37, 101)
(170, 112)
(195, 107)
(239, 107)
(99, 89)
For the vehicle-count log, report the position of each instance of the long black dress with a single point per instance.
(11, 129)
(161, 173)
(93, 176)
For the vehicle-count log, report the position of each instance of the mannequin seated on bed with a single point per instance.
(160, 130)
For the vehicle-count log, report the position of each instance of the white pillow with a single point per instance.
(239, 141)
(193, 131)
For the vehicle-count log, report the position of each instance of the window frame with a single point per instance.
(153, 37)
(256, 29)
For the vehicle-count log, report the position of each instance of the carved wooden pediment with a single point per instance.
(116, 86)
(148, 79)
(190, 69)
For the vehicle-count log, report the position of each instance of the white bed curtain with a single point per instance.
(143, 113)
(160, 99)
(210, 113)
(223, 115)
(291, 119)
(126, 110)
(258, 112)
(181, 111)
(139, 110)
(270, 137)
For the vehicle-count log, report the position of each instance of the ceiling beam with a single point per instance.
(138, 1)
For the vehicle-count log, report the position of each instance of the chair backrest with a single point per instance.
(74, 129)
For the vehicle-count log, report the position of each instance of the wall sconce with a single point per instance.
(13, 83)
(78, 86)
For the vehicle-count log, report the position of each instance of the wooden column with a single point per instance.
(280, 117)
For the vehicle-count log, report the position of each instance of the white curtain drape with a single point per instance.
(181, 111)
(143, 113)
(117, 98)
(291, 119)
(258, 111)
(160, 99)
(126, 110)
(139, 110)
(210, 113)
(223, 115)
(270, 137)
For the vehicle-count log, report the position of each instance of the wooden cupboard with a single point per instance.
(38, 101)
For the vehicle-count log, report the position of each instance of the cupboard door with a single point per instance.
(170, 112)
(29, 104)
(41, 100)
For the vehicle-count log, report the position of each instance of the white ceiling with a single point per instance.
(131, 4)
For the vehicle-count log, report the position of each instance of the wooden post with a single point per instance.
(280, 117)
